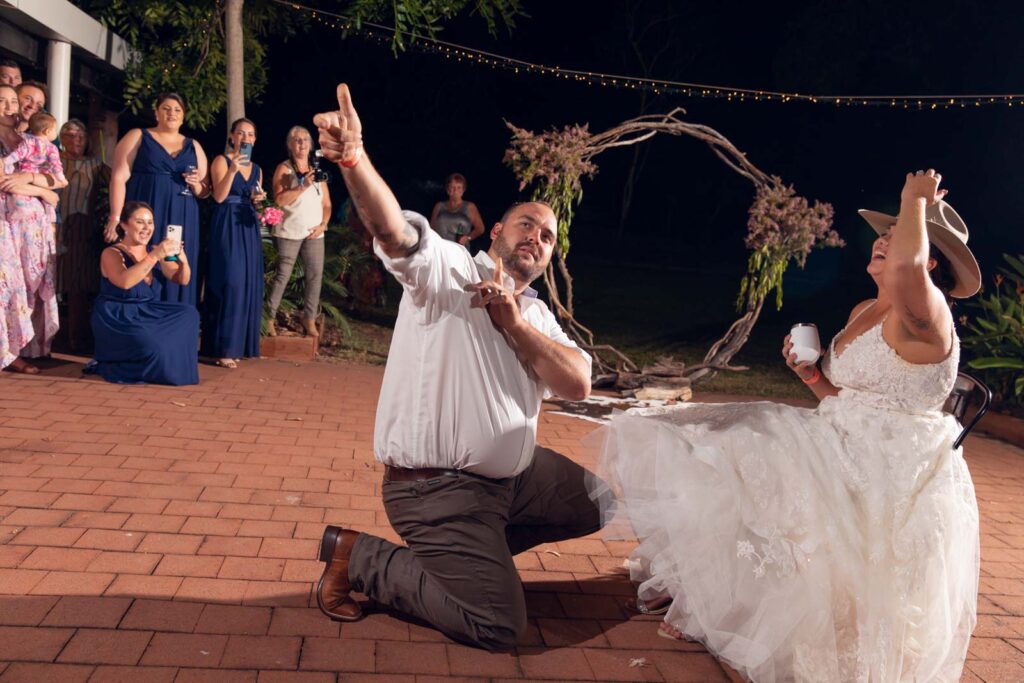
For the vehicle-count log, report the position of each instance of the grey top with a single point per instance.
(453, 224)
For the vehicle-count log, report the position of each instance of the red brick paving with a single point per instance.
(170, 534)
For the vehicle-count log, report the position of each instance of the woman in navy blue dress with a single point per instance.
(233, 298)
(168, 171)
(140, 339)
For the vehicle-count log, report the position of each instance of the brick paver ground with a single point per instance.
(170, 534)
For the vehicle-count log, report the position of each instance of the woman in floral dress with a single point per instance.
(27, 248)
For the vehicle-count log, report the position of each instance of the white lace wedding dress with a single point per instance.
(834, 544)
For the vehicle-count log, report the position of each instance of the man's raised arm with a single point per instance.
(341, 139)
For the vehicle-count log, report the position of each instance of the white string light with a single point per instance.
(384, 34)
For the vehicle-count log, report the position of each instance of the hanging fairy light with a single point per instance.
(425, 44)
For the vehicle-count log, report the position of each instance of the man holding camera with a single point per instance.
(472, 356)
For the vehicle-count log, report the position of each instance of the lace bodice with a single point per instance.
(870, 372)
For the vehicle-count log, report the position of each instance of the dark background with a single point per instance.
(680, 254)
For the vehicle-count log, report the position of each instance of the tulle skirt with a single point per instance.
(835, 544)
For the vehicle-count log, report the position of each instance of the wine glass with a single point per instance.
(191, 168)
(257, 196)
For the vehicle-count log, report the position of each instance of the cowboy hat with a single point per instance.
(948, 232)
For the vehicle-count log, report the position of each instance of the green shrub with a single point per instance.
(994, 335)
(344, 255)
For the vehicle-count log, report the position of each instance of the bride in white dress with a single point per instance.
(834, 544)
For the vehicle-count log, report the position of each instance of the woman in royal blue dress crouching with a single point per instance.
(139, 338)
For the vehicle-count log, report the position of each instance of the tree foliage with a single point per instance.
(179, 44)
(427, 17)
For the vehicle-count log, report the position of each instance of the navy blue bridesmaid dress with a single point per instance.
(233, 299)
(142, 340)
(156, 179)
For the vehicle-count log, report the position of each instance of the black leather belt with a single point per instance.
(422, 474)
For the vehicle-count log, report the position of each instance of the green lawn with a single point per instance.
(651, 312)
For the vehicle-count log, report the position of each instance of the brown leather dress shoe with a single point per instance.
(332, 592)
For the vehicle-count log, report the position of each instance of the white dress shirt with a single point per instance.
(455, 394)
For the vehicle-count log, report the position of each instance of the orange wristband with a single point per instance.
(813, 378)
(355, 159)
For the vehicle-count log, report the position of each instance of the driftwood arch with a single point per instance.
(782, 227)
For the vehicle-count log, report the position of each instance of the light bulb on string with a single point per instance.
(431, 45)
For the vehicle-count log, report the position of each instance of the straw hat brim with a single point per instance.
(965, 267)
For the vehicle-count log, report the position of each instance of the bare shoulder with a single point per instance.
(131, 139)
(113, 257)
(859, 308)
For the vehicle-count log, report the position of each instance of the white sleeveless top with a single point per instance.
(303, 214)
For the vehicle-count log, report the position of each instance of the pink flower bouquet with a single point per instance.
(271, 215)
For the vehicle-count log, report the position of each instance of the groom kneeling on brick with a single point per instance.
(474, 352)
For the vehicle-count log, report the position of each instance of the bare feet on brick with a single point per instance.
(667, 630)
(22, 366)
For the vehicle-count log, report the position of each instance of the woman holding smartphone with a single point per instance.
(139, 338)
(167, 170)
(233, 302)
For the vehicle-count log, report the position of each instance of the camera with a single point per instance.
(319, 174)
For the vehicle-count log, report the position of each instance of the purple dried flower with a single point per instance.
(786, 225)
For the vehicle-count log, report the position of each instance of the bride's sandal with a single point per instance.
(667, 630)
(655, 607)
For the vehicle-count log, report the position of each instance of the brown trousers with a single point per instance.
(462, 532)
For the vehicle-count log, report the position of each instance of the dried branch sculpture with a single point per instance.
(782, 227)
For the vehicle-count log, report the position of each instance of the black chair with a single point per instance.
(968, 402)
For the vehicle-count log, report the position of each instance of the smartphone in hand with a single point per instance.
(174, 233)
(245, 153)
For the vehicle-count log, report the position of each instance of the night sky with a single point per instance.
(425, 117)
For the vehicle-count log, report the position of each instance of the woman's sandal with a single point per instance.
(641, 607)
(228, 363)
(23, 367)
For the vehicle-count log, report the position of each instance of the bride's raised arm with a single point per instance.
(916, 301)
